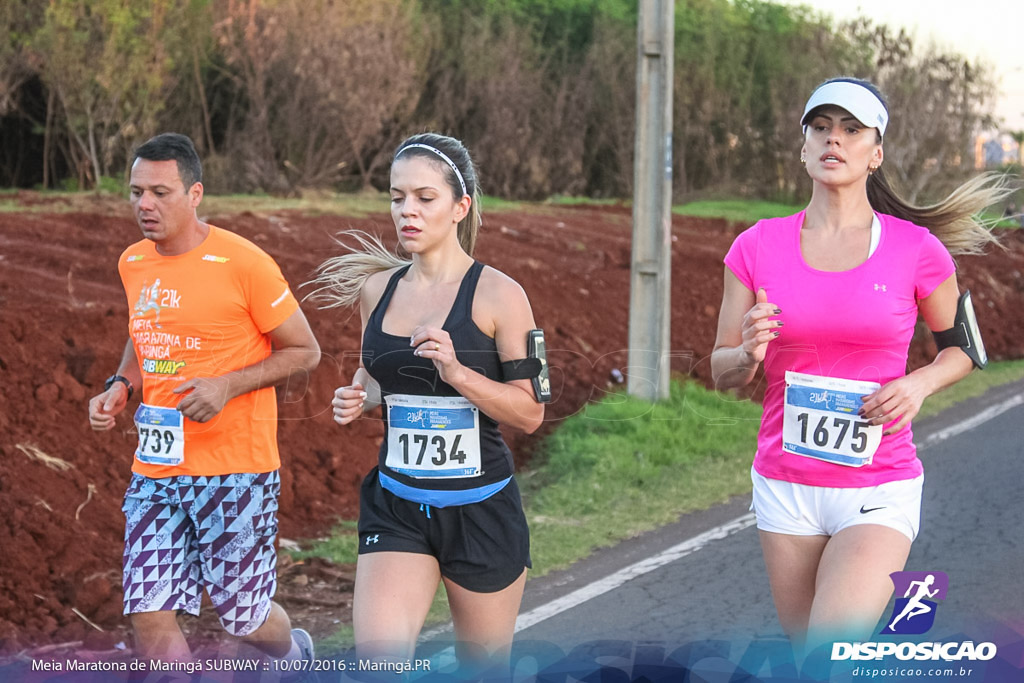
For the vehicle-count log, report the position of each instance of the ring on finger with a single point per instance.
(437, 346)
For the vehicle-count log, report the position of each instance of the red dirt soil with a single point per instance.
(63, 324)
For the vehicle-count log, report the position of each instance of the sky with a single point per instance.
(991, 30)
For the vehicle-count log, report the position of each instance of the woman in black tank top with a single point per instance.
(392, 362)
(442, 503)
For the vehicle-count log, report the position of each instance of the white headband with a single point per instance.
(854, 98)
(444, 156)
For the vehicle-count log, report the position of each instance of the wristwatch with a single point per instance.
(119, 378)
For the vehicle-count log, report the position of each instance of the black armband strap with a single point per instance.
(524, 368)
(965, 333)
(533, 367)
(954, 336)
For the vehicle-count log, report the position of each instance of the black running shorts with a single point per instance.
(482, 547)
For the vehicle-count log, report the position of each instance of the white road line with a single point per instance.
(694, 544)
(971, 422)
(445, 659)
(613, 581)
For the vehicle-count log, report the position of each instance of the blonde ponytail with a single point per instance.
(469, 227)
(340, 280)
(956, 219)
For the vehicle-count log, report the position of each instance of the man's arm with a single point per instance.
(104, 407)
(295, 352)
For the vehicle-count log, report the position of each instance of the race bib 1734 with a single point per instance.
(433, 436)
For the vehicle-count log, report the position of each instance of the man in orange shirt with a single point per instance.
(213, 327)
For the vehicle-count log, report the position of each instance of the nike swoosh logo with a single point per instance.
(864, 510)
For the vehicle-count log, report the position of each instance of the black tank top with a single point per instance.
(390, 361)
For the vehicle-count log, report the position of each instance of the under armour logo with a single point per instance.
(879, 287)
(372, 539)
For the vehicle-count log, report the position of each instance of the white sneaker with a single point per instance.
(304, 642)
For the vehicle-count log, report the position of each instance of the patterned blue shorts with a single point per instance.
(184, 534)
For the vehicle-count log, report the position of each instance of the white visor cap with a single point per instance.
(854, 98)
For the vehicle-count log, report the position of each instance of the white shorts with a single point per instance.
(802, 510)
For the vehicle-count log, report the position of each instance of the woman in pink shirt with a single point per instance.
(827, 300)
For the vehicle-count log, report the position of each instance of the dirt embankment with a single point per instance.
(63, 319)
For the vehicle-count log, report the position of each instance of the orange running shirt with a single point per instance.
(204, 313)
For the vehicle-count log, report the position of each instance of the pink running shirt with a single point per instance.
(854, 324)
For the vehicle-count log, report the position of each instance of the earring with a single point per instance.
(872, 169)
(803, 159)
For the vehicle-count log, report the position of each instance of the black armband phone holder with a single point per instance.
(534, 367)
(964, 333)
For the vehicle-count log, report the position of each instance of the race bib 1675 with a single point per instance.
(820, 420)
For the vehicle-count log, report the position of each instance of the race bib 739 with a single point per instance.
(161, 435)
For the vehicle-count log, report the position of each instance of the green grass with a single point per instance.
(488, 203)
(340, 641)
(314, 204)
(570, 200)
(363, 204)
(60, 201)
(623, 466)
(975, 384)
(366, 203)
(747, 211)
(331, 204)
(357, 205)
(340, 547)
(997, 220)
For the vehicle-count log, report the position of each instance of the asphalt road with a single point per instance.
(716, 600)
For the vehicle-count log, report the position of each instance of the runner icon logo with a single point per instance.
(914, 612)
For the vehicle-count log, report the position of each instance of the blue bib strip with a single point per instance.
(440, 499)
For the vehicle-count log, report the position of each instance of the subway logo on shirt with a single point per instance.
(162, 367)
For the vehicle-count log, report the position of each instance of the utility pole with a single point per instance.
(651, 268)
